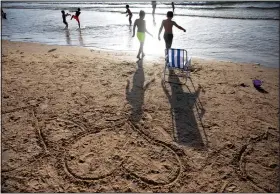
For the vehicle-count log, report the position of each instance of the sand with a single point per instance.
(81, 120)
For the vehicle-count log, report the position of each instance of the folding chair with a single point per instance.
(177, 59)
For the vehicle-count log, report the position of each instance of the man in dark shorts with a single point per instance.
(168, 34)
(76, 17)
(64, 18)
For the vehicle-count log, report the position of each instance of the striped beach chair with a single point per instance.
(177, 59)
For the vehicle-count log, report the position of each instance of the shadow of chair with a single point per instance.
(187, 112)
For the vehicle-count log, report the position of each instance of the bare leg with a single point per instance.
(130, 22)
(140, 50)
(66, 24)
(79, 24)
(141, 47)
(138, 55)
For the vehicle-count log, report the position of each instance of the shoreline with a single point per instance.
(80, 120)
(150, 57)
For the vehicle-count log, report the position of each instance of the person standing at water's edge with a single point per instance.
(168, 34)
(129, 13)
(64, 18)
(154, 4)
(76, 16)
(141, 25)
(173, 6)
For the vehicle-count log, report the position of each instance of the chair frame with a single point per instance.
(185, 72)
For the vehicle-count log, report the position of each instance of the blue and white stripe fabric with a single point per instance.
(176, 58)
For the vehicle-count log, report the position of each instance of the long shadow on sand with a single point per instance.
(183, 107)
(135, 96)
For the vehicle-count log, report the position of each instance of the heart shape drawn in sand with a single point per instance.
(92, 156)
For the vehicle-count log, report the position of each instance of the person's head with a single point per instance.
(172, 3)
(62, 11)
(127, 6)
(79, 9)
(169, 14)
(142, 14)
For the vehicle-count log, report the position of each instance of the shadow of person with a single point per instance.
(81, 37)
(67, 36)
(183, 107)
(135, 96)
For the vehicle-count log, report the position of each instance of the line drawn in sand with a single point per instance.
(72, 140)
(254, 155)
(110, 154)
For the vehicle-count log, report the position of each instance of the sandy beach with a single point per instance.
(81, 120)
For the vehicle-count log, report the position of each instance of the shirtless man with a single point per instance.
(168, 34)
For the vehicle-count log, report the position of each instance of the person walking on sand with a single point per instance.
(64, 18)
(173, 6)
(154, 4)
(129, 13)
(76, 16)
(168, 34)
(141, 29)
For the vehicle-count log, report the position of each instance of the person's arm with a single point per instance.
(147, 30)
(160, 29)
(181, 28)
(134, 26)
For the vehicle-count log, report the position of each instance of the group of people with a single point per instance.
(167, 24)
(76, 17)
(140, 23)
(154, 5)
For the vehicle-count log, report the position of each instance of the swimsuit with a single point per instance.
(141, 36)
(168, 40)
(76, 18)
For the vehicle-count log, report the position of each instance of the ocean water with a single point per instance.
(231, 31)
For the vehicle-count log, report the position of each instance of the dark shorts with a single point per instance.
(168, 40)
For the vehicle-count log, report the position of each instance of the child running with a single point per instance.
(141, 25)
(76, 17)
(129, 13)
(168, 34)
(64, 18)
